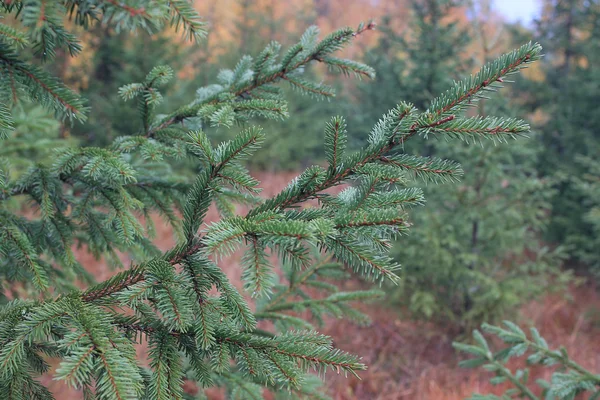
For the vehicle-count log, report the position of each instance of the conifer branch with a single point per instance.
(13, 36)
(487, 79)
(42, 87)
(506, 64)
(185, 15)
(426, 168)
(181, 300)
(135, 274)
(6, 121)
(315, 52)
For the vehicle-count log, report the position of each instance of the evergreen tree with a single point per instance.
(588, 186)
(474, 253)
(567, 93)
(180, 301)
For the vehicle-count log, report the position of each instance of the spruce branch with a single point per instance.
(375, 267)
(487, 79)
(392, 131)
(135, 274)
(6, 121)
(181, 300)
(41, 86)
(13, 36)
(310, 356)
(335, 141)
(184, 15)
(297, 57)
(489, 127)
(426, 168)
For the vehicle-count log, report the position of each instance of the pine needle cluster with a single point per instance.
(197, 324)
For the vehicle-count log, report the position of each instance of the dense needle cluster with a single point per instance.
(198, 325)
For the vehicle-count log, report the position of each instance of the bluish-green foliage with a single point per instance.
(197, 324)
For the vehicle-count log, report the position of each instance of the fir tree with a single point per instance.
(475, 252)
(180, 301)
(566, 92)
(588, 187)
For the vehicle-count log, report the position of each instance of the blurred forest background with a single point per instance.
(518, 237)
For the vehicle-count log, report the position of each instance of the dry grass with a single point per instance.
(415, 361)
(407, 360)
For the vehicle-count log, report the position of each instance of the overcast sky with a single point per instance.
(518, 10)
